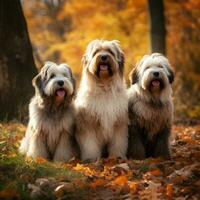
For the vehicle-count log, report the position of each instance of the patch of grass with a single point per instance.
(16, 172)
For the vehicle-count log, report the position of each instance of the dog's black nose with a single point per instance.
(156, 74)
(60, 83)
(104, 58)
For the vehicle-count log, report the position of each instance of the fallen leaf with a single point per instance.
(133, 186)
(169, 191)
(155, 172)
(120, 180)
(40, 160)
(97, 183)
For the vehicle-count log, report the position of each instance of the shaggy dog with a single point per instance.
(102, 103)
(50, 129)
(150, 107)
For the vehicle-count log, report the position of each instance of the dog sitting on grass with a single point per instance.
(150, 108)
(51, 125)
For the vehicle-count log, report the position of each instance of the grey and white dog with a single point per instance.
(150, 107)
(51, 124)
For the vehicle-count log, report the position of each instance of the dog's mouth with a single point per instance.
(104, 67)
(60, 93)
(156, 83)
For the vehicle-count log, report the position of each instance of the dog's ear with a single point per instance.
(121, 62)
(133, 76)
(37, 82)
(84, 60)
(120, 56)
(72, 79)
(171, 75)
(89, 49)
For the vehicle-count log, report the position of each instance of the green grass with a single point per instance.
(16, 172)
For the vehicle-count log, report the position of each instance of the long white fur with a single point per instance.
(105, 104)
(46, 132)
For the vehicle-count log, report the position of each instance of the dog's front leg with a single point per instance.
(37, 146)
(63, 150)
(119, 142)
(162, 144)
(136, 148)
(89, 145)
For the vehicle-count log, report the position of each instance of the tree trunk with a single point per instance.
(157, 26)
(17, 66)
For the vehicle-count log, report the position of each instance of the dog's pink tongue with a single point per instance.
(103, 67)
(60, 93)
(156, 83)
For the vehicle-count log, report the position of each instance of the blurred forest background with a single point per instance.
(59, 31)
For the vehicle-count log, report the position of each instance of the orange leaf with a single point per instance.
(40, 160)
(155, 172)
(178, 179)
(133, 186)
(120, 180)
(97, 183)
(170, 191)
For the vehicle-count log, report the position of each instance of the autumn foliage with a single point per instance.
(159, 179)
(60, 32)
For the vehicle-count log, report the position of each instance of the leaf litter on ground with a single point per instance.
(152, 178)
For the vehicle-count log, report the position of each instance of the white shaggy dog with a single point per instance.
(102, 103)
(51, 125)
(150, 107)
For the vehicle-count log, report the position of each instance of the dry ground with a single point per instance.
(178, 178)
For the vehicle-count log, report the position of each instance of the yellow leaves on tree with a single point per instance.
(75, 24)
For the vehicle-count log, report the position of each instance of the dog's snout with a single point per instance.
(60, 83)
(156, 74)
(104, 58)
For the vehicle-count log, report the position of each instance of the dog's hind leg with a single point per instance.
(136, 148)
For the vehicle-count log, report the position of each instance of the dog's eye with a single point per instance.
(147, 67)
(52, 76)
(65, 75)
(95, 52)
(110, 51)
(160, 66)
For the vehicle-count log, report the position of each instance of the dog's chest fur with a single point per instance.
(152, 118)
(51, 125)
(105, 106)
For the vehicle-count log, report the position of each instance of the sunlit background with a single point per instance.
(61, 29)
